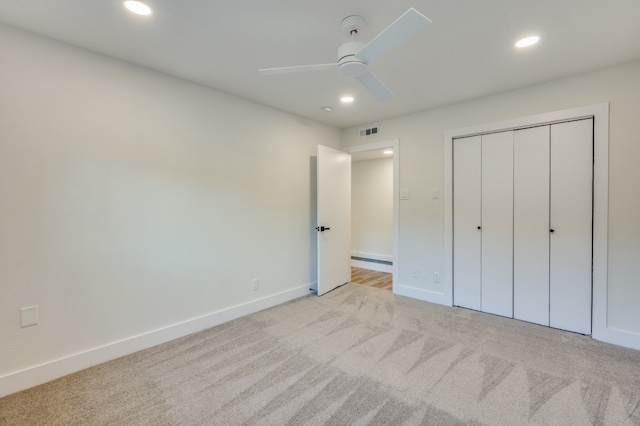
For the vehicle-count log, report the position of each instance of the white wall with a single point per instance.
(421, 169)
(372, 208)
(133, 201)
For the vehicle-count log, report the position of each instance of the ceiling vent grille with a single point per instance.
(368, 132)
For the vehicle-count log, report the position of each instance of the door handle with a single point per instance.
(321, 228)
(479, 227)
(552, 230)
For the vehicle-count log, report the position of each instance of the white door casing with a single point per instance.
(334, 216)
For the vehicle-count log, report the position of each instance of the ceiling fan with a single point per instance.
(354, 57)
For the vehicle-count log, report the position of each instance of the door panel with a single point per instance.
(531, 225)
(334, 214)
(497, 224)
(466, 219)
(571, 220)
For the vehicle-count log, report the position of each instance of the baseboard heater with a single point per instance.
(364, 259)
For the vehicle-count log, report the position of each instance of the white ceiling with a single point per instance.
(467, 52)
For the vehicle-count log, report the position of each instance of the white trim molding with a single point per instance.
(421, 294)
(372, 266)
(374, 256)
(600, 113)
(39, 374)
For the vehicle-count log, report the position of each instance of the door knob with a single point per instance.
(552, 230)
(479, 227)
(322, 228)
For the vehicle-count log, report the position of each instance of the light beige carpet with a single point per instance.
(355, 356)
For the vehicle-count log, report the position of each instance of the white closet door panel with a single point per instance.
(466, 219)
(571, 220)
(497, 223)
(531, 225)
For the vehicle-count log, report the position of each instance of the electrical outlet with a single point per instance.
(416, 272)
(29, 316)
(255, 284)
(436, 277)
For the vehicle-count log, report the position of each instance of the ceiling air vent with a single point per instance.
(368, 132)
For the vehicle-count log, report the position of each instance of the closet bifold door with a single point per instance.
(571, 226)
(531, 225)
(497, 224)
(466, 222)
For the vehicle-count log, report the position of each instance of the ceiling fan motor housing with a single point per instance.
(349, 64)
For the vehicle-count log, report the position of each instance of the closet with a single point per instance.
(522, 224)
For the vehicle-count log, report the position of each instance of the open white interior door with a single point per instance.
(334, 218)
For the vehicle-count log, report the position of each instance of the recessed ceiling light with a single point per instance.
(137, 7)
(387, 152)
(528, 41)
(346, 99)
(327, 109)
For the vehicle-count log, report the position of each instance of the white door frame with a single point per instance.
(600, 113)
(395, 145)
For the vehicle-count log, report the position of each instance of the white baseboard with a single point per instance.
(380, 267)
(384, 257)
(39, 374)
(374, 266)
(614, 336)
(421, 294)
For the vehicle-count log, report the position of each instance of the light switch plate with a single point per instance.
(404, 194)
(29, 316)
(435, 193)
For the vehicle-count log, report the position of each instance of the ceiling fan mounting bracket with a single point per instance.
(353, 26)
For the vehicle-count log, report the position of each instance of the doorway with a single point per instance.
(375, 192)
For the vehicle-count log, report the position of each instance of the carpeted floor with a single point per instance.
(355, 356)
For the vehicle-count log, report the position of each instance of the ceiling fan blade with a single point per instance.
(400, 30)
(301, 68)
(375, 86)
